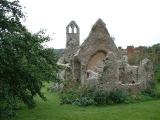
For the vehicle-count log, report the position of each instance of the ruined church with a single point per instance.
(98, 62)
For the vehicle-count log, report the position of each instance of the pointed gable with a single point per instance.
(99, 26)
(98, 40)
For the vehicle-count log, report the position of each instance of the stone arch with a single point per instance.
(75, 29)
(69, 29)
(96, 61)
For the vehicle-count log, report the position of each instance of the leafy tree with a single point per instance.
(24, 62)
(156, 60)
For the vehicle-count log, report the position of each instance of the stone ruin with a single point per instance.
(98, 62)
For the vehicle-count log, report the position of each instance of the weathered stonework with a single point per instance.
(98, 62)
(72, 42)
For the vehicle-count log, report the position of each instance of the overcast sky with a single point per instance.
(130, 22)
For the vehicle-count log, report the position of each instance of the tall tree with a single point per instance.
(24, 63)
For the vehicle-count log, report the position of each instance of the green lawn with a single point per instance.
(52, 110)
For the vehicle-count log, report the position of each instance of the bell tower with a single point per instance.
(72, 35)
(72, 42)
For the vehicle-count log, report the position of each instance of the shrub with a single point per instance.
(118, 96)
(157, 75)
(85, 96)
(84, 101)
(85, 91)
(153, 93)
(68, 97)
(101, 97)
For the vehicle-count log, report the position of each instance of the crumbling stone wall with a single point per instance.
(94, 49)
(118, 74)
(110, 69)
(98, 62)
(146, 73)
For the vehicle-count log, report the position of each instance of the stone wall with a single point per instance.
(98, 62)
(133, 78)
(94, 49)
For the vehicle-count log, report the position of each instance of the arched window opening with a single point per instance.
(70, 29)
(75, 30)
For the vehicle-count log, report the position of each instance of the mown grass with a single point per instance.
(52, 110)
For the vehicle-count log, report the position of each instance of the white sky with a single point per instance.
(131, 22)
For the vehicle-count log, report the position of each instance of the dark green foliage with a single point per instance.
(148, 94)
(68, 97)
(157, 72)
(84, 101)
(154, 55)
(118, 96)
(101, 97)
(24, 63)
(10, 16)
(153, 93)
(113, 97)
(80, 96)
(85, 96)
